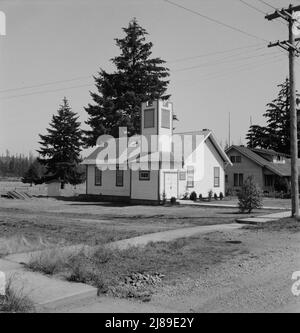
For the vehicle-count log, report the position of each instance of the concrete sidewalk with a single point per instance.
(265, 218)
(220, 205)
(53, 295)
(45, 291)
(169, 235)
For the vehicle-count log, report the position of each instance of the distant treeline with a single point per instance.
(15, 165)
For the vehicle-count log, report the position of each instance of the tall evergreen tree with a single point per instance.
(60, 151)
(276, 134)
(138, 78)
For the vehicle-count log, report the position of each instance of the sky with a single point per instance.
(52, 48)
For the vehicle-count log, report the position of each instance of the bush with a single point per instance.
(221, 196)
(193, 196)
(229, 192)
(281, 185)
(250, 196)
(215, 196)
(210, 194)
(164, 198)
(200, 197)
(173, 201)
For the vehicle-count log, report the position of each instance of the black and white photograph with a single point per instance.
(149, 159)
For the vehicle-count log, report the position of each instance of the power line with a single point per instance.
(222, 62)
(88, 77)
(216, 21)
(46, 91)
(214, 53)
(45, 84)
(236, 70)
(267, 4)
(251, 6)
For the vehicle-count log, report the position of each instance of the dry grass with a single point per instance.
(19, 244)
(15, 300)
(108, 269)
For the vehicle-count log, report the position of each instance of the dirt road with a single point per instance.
(258, 281)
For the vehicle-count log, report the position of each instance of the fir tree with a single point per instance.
(34, 174)
(60, 152)
(138, 78)
(276, 134)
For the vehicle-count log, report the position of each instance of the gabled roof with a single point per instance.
(208, 134)
(268, 152)
(280, 169)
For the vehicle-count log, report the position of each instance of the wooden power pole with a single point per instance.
(290, 46)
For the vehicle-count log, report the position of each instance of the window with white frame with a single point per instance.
(216, 176)
(190, 176)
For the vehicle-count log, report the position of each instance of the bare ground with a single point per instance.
(257, 278)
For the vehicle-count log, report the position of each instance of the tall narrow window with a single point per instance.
(241, 179)
(119, 177)
(98, 177)
(238, 179)
(165, 118)
(216, 176)
(190, 176)
(149, 118)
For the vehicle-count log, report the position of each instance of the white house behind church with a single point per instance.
(171, 172)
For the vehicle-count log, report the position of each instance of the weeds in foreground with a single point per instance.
(134, 272)
(15, 300)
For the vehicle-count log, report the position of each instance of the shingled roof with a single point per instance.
(280, 169)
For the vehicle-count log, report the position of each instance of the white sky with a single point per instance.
(58, 40)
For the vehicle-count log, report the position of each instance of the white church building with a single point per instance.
(157, 165)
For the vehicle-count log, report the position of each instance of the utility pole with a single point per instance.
(288, 15)
(229, 131)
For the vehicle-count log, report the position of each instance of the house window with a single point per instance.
(226, 179)
(238, 179)
(190, 176)
(236, 159)
(149, 118)
(119, 177)
(165, 118)
(98, 177)
(144, 175)
(268, 180)
(216, 176)
(182, 175)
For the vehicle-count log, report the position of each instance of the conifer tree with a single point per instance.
(276, 134)
(34, 174)
(138, 78)
(61, 147)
